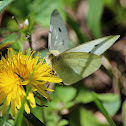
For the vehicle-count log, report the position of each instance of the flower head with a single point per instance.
(15, 73)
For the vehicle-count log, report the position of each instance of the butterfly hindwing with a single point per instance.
(74, 66)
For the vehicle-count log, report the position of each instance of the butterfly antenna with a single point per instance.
(36, 42)
(48, 85)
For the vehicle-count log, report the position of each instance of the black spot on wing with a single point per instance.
(60, 30)
(63, 42)
(96, 45)
(55, 13)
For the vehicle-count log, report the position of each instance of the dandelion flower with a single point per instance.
(15, 73)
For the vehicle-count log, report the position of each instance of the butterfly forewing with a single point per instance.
(97, 46)
(58, 37)
(74, 66)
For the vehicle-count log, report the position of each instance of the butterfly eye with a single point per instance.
(51, 55)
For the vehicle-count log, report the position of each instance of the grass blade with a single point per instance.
(102, 109)
(124, 113)
(33, 119)
(19, 115)
(94, 16)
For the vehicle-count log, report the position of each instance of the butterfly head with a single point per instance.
(51, 55)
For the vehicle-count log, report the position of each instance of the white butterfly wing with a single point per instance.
(97, 46)
(58, 37)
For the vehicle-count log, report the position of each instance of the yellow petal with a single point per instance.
(27, 109)
(31, 99)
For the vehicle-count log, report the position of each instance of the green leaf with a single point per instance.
(51, 117)
(124, 112)
(108, 97)
(4, 4)
(111, 102)
(63, 122)
(65, 94)
(95, 11)
(37, 111)
(17, 46)
(8, 40)
(87, 119)
(68, 105)
(40, 12)
(112, 107)
(84, 96)
(3, 120)
(102, 109)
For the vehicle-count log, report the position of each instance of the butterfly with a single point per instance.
(74, 64)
